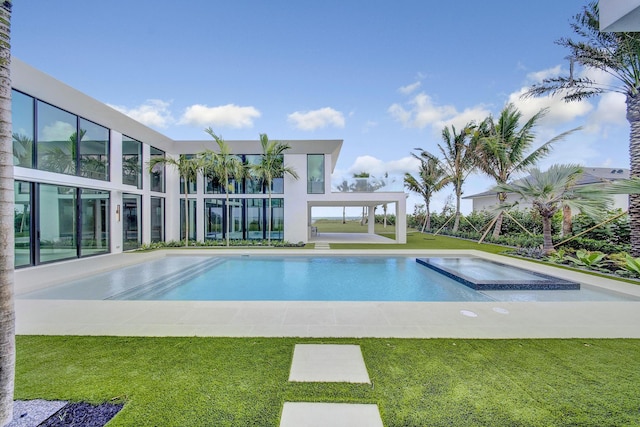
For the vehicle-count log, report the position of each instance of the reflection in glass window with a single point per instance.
(157, 219)
(255, 219)
(192, 220)
(277, 219)
(157, 174)
(57, 225)
(23, 126)
(213, 185)
(95, 222)
(315, 173)
(131, 221)
(22, 223)
(57, 139)
(253, 185)
(191, 183)
(94, 151)
(131, 162)
(236, 223)
(213, 212)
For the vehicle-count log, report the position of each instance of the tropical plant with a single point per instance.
(557, 257)
(7, 319)
(22, 150)
(431, 179)
(271, 165)
(588, 259)
(223, 166)
(548, 191)
(617, 55)
(632, 265)
(503, 148)
(458, 159)
(188, 168)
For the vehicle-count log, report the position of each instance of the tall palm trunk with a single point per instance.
(633, 116)
(7, 310)
(456, 223)
(226, 190)
(567, 221)
(502, 197)
(547, 242)
(269, 215)
(427, 220)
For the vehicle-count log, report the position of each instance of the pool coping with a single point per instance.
(583, 319)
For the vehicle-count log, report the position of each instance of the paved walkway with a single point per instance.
(329, 363)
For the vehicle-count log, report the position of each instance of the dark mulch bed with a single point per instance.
(82, 415)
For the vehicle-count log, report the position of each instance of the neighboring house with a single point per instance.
(488, 199)
(83, 188)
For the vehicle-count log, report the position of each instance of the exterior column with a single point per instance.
(371, 220)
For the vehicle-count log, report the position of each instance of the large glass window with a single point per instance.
(22, 223)
(131, 162)
(192, 220)
(94, 150)
(213, 211)
(95, 222)
(277, 219)
(191, 183)
(57, 139)
(157, 219)
(57, 223)
(255, 219)
(23, 128)
(157, 174)
(131, 221)
(236, 223)
(253, 185)
(315, 173)
(214, 185)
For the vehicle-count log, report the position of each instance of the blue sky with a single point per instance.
(384, 76)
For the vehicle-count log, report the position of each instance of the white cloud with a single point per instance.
(154, 112)
(379, 168)
(370, 124)
(421, 112)
(408, 89)
(539, 76)
(229, 115)
(317, 119)
(560, 111)
(611, 109)
(58, 131)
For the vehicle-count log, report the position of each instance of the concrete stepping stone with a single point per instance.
(328, 363)
(307, 414)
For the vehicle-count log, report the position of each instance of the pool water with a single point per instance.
(296, 278)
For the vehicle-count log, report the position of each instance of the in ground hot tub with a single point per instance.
(485, 275)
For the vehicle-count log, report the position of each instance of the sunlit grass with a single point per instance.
(432, 382)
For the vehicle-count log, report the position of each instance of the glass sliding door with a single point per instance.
(57, 223)
(157, 219)
(192, 220)
(131, 221)
(94, 211)
(236, 224)
(213, 211)
(255, 219)
(23, 255)
(277, 219)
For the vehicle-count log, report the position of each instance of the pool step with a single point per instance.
(324, 246)
(160, 285)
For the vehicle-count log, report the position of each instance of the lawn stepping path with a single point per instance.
(321, 246)
(329, 363)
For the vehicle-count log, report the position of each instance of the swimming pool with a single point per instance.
(292, 278)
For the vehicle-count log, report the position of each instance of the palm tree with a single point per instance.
(548, 191)
(459, 159)
(432, 178)
(618, 55)
(188, 169)
(270, 166)
(7, 319)
(222, 165)
(502, 147)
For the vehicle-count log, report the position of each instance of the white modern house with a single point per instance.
(83, 187)
(590, 175)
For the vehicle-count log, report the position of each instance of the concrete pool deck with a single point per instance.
(583, 319)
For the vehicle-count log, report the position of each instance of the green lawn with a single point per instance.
(432, 382)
